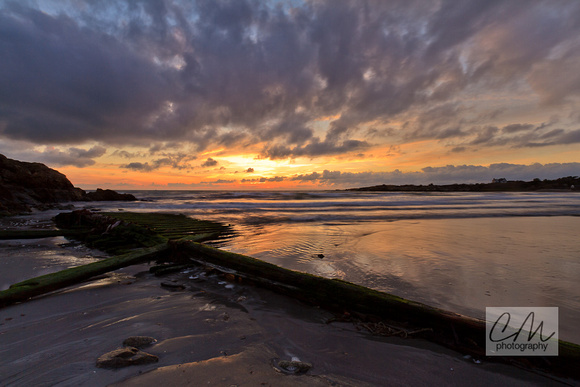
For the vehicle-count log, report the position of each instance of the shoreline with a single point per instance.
(215, 331)
(268, 313)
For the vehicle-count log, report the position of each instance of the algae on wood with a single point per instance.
(119, 232)
(133, 237)
(172, 226)
(106, 233)
(55, 281)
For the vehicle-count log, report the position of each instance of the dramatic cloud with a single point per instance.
(209, 163)
(304, 79)
(53, 156)
(177, 161)
(142, 167)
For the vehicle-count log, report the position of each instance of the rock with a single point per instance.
(138, 341)
(104, 195)
(25, 186)
(124, 357)
(172, 286)
(294, 366)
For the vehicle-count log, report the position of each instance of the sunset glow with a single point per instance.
(291, 94)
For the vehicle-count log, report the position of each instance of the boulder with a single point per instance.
(123, 357)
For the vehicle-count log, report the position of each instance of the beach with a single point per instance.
(289, 193)
(460, 252)
(215, 332)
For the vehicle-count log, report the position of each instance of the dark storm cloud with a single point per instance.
(61, 83)
(236, 72)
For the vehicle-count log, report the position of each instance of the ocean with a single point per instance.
(457, 251)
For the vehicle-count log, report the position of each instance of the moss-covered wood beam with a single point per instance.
(24, 290)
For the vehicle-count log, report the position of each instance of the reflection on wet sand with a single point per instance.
(463, 265)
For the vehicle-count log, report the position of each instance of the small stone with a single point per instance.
(172, 286)
(123, 357)
(138, 341)
(294, 366)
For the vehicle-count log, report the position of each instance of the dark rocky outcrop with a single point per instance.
(32, 185)
(102, 195)
(24, 186)
(569, 183)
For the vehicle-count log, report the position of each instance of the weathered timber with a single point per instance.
(338, 294)
(132, 237)
(107, 233)
(47, 283)
(119, 232)
(172, 226)
(456, 331)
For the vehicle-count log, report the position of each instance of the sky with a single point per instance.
(313, 94)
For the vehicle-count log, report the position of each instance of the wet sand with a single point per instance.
(460, 265)
(214, 332)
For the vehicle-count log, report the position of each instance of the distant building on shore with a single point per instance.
(500, 180)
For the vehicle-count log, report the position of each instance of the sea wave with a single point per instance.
(346, 206)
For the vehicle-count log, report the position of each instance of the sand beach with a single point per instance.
(213, 332)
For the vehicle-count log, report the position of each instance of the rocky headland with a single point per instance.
(26, 186)
(570, 183)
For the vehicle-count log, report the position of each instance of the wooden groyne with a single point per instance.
(133, 238)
